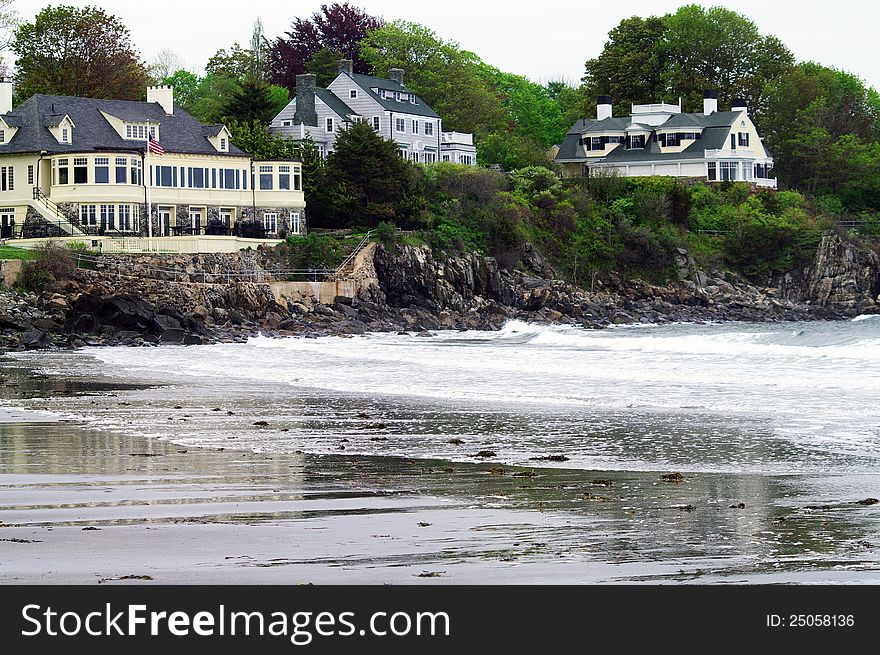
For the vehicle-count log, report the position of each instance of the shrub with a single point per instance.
(386, 234)
(52, 262)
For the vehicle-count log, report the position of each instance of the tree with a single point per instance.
(8, 22)
(258, 53)
(339, 27)
(165, 63)
(212, 97)
(186, 87)
(447, 78)
(632, 66)
(80, 52)
(237, 62)
(373, 183)
(572, 101)
(325, 65)
(252, 102)
(255, 139)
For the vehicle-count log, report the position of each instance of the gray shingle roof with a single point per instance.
(368, 83)
(335, 103)
(178, 133)
(714, 135)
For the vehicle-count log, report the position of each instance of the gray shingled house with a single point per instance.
(388, 105)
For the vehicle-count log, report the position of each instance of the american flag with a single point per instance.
(154, 146)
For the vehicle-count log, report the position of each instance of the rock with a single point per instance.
(672, 477)
(33, 339)
(173, 335)
(738, 506)
(868, 501)
(424, 333)
(455, 441)
(550, 458)
(484, 454)
(261, 424)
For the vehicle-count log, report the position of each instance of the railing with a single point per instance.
(354, 253)
(721, 153)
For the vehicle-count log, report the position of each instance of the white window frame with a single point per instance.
(65, 135)
(377, 123)
(352, 94)
(429, 128)
(295, 226)
(328, 124)
(224, 144)
(400, 124)
(2, 136)
(270, 222)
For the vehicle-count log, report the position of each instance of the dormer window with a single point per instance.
(412, 100)
(224, 146)
(352, 94)
(2, 136)
(140, 131)
(65, 135)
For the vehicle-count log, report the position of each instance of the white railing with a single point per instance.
(729, 154)
(458, 137)
(765, 182)
(655, 108)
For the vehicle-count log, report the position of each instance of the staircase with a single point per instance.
(53, 215)
(345, 268)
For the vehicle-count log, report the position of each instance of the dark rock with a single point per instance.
(485, 454)
(455, 441)
(868, 501)
(550, 458)
(173, 335)
(672, 477)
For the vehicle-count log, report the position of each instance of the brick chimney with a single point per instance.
(346, 66)
(305, 100)
(396, 74)
(164, 95)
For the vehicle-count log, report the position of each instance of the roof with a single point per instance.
(334, 103)
(714, 137)
(368, 83)
(178, 133)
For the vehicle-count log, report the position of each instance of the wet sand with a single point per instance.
(84, 506)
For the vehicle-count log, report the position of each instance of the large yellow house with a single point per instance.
(79, 167)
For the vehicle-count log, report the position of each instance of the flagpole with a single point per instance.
(147, 173)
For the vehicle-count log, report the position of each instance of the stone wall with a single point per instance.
(10, 271)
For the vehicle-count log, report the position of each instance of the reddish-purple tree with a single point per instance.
(338, 27)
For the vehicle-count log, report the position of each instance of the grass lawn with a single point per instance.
(8, 252)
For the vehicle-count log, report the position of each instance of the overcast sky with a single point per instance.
(548, 39)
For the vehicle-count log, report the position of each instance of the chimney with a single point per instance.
(396, 74)
(346, 66)
(710, 102)
(603, 107)
(164, 95)
(305, 100)
(5, 95)
(739, 104)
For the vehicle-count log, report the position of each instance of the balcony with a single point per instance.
(739, 153)
(460, 138)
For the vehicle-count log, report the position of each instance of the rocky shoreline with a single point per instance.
(410, 290)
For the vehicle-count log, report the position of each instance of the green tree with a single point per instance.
(252, 102)
(373, 182)
(236, 62)
(257, 71)
(572, 101)
(325, 65)
(444, 76)
(255, 139)
(212, 98)
(80, 52)
(186, 87)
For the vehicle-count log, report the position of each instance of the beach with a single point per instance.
(133, 475)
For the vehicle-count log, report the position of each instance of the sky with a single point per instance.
(545, 40)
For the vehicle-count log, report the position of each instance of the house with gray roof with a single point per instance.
(658, 139)
(78, 168)
(393, 110)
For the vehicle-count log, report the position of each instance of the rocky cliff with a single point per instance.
(409, 288)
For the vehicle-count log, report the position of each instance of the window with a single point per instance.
(404, 97)
(165, 176)
(445, 157)
(329, 125)
(733, 141)
(414, 156)
(223, 145)
(108, 217)
(30, 174)
(467, 159)
(430, 157)
(197, 178)
(136, 171)
(597, 143)
(745, 170)
(352, 93)
(295, 227)
(376, 123)
(265, 178)
(195, 218)
(124, 216)
(87, 215)
(397, 96)
(429, 128)
(728, 170)
(121, 170)
(7, 178)
(270, 222)
(712, 173)
(415, 127)
(400, 125)
(412, 100)
(65, 135)
(2, 136)
(401, 153)
(744, 139)
(62, 172)
(102, 170)
(635, 141)
(80, 170)
(226, 216)
(297, 179)
(284, 178)
(286, 123)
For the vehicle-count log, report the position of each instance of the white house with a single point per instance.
(394, 111)
(658, 139)
(78, 167)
